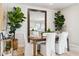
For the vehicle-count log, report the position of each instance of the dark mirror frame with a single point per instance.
(28, 16)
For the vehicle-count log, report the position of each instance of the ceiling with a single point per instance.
(55, 6)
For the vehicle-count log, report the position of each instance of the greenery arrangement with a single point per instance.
(59, 21)
(16, 17)
(32, 29)
(48, 30)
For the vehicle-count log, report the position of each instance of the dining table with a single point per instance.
(36, 39)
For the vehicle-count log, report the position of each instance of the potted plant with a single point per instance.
(49, 30)
(32, 29)
(45, 33)
(59, 21)
(15, 19)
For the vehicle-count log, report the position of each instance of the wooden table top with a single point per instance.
(37, 38)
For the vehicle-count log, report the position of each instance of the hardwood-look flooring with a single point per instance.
(70, 53)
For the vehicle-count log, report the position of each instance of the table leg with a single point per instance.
(68, 48)
(34, 48)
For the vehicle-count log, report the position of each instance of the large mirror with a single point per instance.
(36, 22)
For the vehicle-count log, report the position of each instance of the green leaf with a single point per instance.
(59, 20)
(15, 19)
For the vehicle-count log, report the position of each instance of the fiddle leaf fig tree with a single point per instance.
(15, 17)
(59, 21)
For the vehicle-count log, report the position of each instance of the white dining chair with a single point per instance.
(61, 46)
(48, 49)
(1, 42)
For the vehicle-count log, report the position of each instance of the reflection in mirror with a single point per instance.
(37, 22)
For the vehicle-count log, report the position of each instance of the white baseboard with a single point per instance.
(74, 47)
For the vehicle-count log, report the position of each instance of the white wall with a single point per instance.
(72, 25)
(23, 29)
